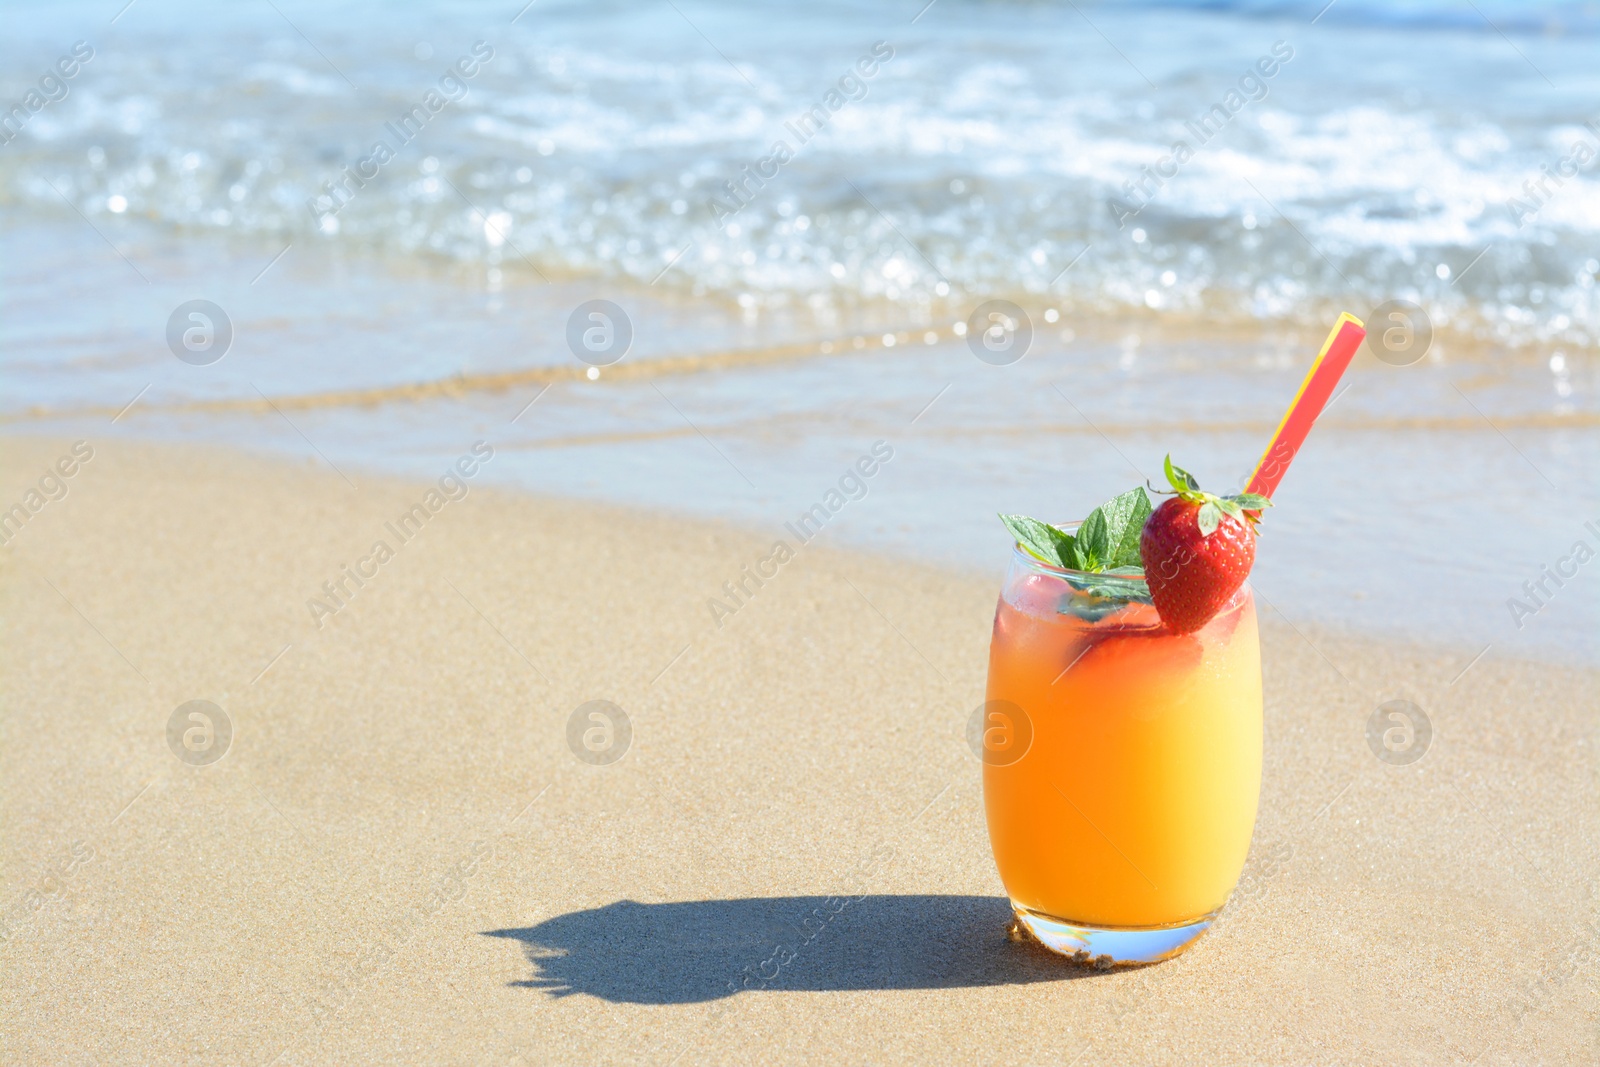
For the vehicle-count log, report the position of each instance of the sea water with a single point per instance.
(1179, 198)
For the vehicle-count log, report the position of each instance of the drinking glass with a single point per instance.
(1122, 762)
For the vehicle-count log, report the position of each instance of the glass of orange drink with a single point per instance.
(1122, 761)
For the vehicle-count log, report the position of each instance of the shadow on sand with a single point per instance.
(702, 950)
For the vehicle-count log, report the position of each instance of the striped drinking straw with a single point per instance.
(1315, 391)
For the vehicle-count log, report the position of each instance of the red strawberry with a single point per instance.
(1197, 549)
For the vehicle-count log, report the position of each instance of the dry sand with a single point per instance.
(400, 860)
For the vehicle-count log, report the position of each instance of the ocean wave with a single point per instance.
(973, 164)
(1485, 16)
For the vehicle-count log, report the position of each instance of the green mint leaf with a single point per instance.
(1107, 539)
(1093, 545)
(1091, 608)
(1044, 541)
(1209, 519)
(1125, 516)
(1104, 593)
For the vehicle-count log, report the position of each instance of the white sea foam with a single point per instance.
(982, 159)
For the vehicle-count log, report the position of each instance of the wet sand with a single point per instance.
(400, 858)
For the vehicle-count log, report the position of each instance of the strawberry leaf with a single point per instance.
(1209, 519)
(1178, 478)
(1251, 501)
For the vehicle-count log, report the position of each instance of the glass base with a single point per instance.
(1105, 947)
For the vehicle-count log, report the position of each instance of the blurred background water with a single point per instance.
(995, 151)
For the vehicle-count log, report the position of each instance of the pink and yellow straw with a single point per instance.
(1314, 394)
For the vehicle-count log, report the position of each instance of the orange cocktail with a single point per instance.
(1122, 762)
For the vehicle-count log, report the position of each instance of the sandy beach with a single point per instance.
(399, 857)
(499, 545)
